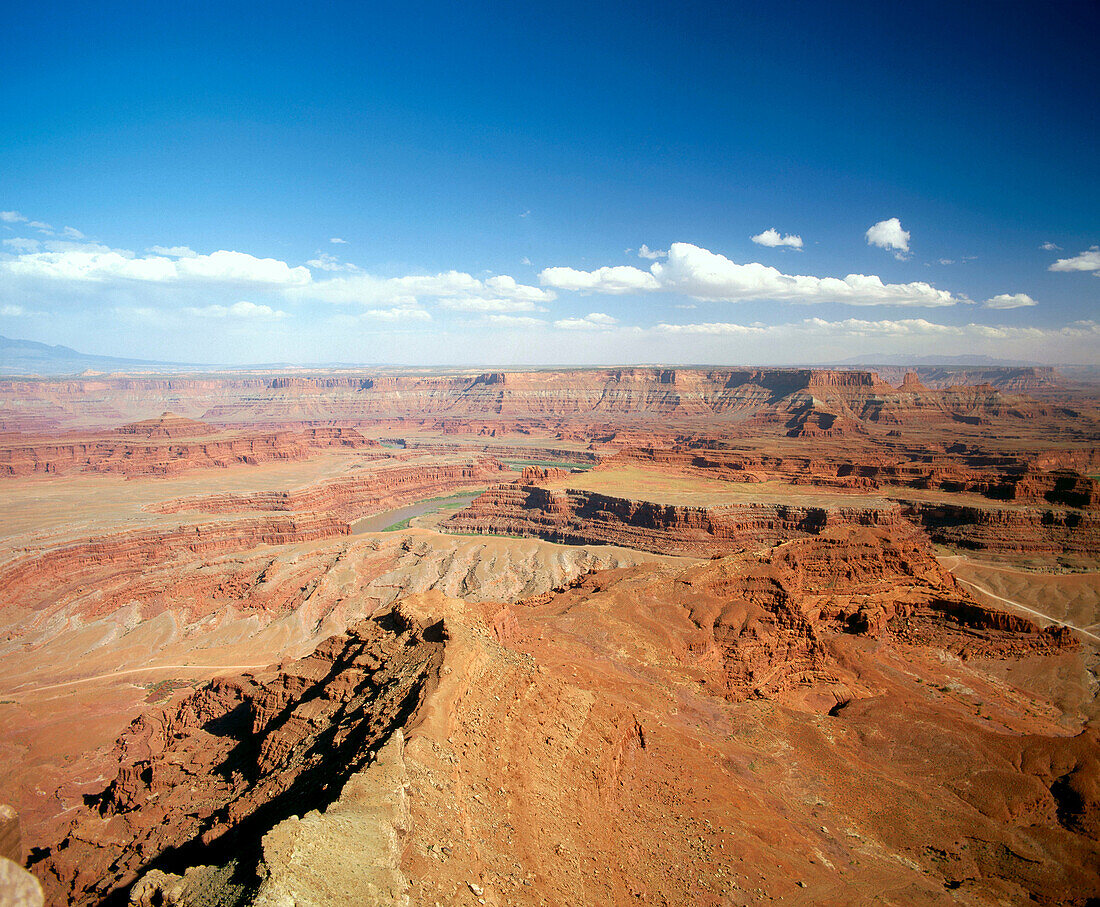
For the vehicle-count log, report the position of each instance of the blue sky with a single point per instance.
(494, 169)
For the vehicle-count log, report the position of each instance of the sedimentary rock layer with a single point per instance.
(135, 550)
(1001, 478)
(581, 517)
(350, 497)
(782, 396)
(202, 783)
(146, 449)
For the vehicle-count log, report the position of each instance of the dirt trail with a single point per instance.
(1015, 604)
(151, 668)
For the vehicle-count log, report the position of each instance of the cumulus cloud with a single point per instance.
(12, 217)
(888, 234)
(594, 321)
(338, 241)
(1086, 261)
(772, 238)
(616, 280)
(174, 251)
(645, 252)
(398, 314)
(103, 266)
(367, 290)
(713, 327)
(702, 274)
(1050, 247)
(237, 310)
(1009, 301)
(481, 304)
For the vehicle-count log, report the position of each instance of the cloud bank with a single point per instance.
(702, 274)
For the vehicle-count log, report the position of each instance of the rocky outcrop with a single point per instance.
(996, 477)
(11, 841)
(134, 551)
(537, 475)
(201, 784)
(581, 517)
(350, 497)
(557, 395)
(1021, 529)
(166, 446)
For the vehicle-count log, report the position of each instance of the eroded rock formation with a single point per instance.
(202, 783)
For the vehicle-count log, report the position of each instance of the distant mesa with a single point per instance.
(911, 384)
(167, 425)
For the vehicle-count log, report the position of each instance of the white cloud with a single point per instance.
(398, 314)
(595, 321)
(619, 279)
(702, 274)
(515, 321)
(99, 266)
(174, 251)
(72, 233)
(1086, 261)
(772, 238)
(326, 262)
(367, 290)
(237, 310)
(338, 241)
(12, 217)
(12, 311)
(888, 234)
(41, 227)
(480, 304)
(20, 244)
(1050, 247)
(525, 260)
(947, 261)
(708, 328)
(1009, 301)
(645, 252)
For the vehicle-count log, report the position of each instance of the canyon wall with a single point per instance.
(580, 517)
(350, 497)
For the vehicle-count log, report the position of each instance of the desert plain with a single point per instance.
(602, 636)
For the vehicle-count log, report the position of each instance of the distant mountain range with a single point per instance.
(28, 357)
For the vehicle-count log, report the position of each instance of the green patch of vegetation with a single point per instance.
(549, 463)
(397, 527)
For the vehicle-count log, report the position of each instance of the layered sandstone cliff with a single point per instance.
(582, 517)
(24, 578)
(350, 497)
(162, 448)
(203, 782)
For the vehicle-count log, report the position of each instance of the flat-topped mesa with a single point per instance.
(996, 478)
(557, 397)
(537, 475)
(911, 384)
(39, 577)
(583, 518)
(839, 379)
(168, 425)
(351, 497)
